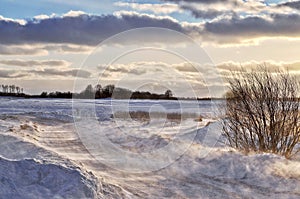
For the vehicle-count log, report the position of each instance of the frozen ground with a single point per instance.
(43, 154)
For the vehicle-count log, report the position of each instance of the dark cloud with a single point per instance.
(90, 29)
(131, 69)
(11, 74)
(30, 63)
(255, 26)
(81, 29)
(202, 13)
(209, 9)
(42, 49)
(200, 1)
(291, 4)
(55, 72)
(205, 14)
(47, 72)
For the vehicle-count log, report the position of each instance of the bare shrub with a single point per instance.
(262, 113)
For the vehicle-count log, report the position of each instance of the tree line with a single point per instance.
(11, 90)
(108, 91)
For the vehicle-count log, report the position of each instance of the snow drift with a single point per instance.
(29, 179)
(43, 157)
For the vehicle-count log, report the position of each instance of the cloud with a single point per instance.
(32, 63)
(201, 1)
(203, 12)
(191, 71)
(291, 4)
(252, 65)
(11, 74)
(181, 76)
(41, 17)
(218, 8)
(134, 71)
(79, 28)
(10, 20)
(64, 73)
(165, 8)
(43, 49)
(21, 50)
(73, 13)
(238, 29)
(46, 72)
(135, 68)
(186, 67)
(207, 9)
(77, 31)
(68, 48)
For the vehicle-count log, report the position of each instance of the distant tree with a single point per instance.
(6, 88)
(52, 94)
(44, 94)
(18, 89)
(98, 91)
(89, 92)
(108, 90)
(13, 87)
(98, 87)
(168, 94)
(10, 88)
(89, 89)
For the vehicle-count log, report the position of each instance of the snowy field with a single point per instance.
(59, 148)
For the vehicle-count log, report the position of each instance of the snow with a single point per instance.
(45, 152)
(31, 179)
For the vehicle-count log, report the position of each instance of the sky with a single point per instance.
(187, 46)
